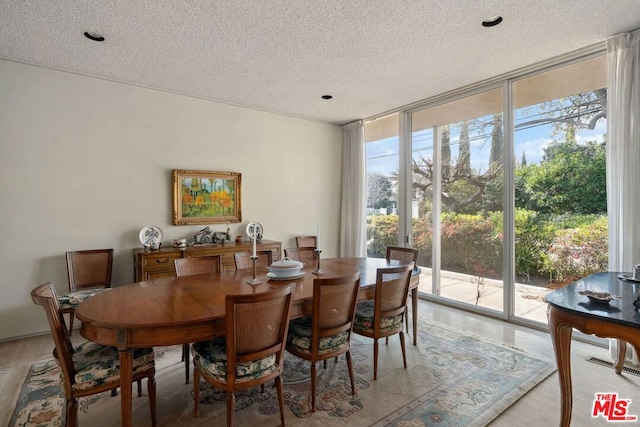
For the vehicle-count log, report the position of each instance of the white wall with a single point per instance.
(86, 163)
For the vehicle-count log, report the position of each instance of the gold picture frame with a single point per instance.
(202, 197)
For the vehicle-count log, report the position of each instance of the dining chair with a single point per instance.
(403, 256)
(244, 262)
(90, 368)
(383, 316)
(189, 267)
(327, 332)
(252, 351)
(198, 265)
(306, 241)
(308, 256)
(89, 272)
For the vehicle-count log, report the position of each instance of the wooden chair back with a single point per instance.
(402, 255)
(392, 288)
(306, 241)
(307, 256)
(334, 305)
(45, 296)
(243, 259)
(89, 269)
(256, 327)
(197, 265)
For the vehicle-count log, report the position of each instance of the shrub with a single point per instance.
(561, 248)
(533, 234)
(471, 244)
(578, 252)
(382, 231)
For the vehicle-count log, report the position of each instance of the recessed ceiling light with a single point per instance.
(93, 36)
(327, 96)
(492, 22)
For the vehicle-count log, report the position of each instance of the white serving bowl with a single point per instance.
(286, 268)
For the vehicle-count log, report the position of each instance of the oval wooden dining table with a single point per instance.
(179, 310)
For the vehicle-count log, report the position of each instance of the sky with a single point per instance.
(382, 156)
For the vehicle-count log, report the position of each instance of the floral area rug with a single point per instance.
(452, 379)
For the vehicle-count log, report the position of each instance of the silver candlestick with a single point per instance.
(318, 270)
(254, 280)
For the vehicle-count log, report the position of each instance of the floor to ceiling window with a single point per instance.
(501, 187)
(457, 175)
(383, 162)
(560, 180)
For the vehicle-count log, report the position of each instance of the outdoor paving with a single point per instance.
(530, 302)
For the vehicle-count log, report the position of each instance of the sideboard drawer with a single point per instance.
(160, 261)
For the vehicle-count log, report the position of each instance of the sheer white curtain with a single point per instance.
(353, 233)
(623, 155)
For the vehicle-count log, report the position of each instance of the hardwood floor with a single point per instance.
(541, 406)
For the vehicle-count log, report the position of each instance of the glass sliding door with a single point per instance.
(457, 190)
(560, 181)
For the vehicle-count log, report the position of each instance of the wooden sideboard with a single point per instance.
(154, 264)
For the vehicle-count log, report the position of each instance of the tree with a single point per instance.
(570, 179)
(464, 156)
(462, 186)
(566, 115)
(379, 191)
(497, 143)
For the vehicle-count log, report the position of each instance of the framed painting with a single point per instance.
(201, 197)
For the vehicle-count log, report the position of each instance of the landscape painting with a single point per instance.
(201, 197)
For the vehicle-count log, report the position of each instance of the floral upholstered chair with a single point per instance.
(252, 351)
(197, 265)
(189, 267)
(403, 256)
(327, 332)
(306, 241)
(383, 316)
(89, 273)
(243, 260)
(90, 368)
(309, 256)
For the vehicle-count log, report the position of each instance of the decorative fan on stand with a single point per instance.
(254, 231)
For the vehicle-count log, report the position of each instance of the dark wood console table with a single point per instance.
(567, 309)
(158, 263)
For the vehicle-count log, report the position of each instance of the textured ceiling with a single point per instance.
(282, 56)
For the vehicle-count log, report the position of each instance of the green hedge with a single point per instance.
(556, 248)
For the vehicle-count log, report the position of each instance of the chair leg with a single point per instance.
(72, 412)
(375, 359)
(139, 388)
(185, 356)
(350, 366)
(280, 398)
(313, 387)
(72, 315)
(404, 352)
(406, 317)
(196, 393)
(151, 391)
(231, 400)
